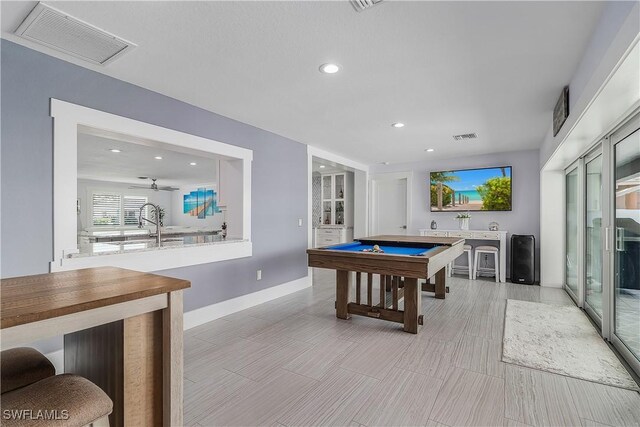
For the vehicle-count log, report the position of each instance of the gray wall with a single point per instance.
(279, 174)
(523, 219)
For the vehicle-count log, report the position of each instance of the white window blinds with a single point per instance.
(106, 209)
(132, 209)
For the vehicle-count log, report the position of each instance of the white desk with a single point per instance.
(497, 236)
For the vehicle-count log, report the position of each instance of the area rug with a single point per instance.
(560, 339)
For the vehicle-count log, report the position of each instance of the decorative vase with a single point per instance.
(464, 223)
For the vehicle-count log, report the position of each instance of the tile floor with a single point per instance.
(290, 362)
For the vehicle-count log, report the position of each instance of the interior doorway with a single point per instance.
(390, 204)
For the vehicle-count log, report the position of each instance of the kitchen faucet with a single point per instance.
(156, 210)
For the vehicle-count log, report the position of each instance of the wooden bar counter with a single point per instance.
(122, 330)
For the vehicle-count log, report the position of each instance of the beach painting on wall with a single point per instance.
(201, 203)
(487, 189)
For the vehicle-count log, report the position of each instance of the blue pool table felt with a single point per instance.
(390, 250)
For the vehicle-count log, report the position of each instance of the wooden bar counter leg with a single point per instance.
(441, 288)
(343, 286)
(412, 305)
(173, 363)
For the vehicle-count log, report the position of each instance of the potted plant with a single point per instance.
(161, 211)
(463, 218)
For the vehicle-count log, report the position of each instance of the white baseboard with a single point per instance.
(552, 285)
(211, 312)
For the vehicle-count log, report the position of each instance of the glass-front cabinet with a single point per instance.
(334, 197)
(336, 222)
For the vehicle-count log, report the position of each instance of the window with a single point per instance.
(113, 209)
(106, 209)
(132, 206)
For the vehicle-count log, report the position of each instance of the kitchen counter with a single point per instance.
(129, 246)
(95, 236)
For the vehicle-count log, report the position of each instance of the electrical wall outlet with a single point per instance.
(259, 275)
(299, 222)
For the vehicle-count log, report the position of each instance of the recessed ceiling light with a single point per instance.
(115, 150)
(192, 164)
(158, 157)
(322, 166)
(398, 125)
(329, 68)
(429, 150)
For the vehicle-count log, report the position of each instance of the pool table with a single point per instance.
(403, 260)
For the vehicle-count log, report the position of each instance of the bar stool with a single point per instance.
(66, 400)
(487, 250)
(466, 249)
(37, 396)
(22, 366)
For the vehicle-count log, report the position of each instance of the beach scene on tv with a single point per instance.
(471, 190)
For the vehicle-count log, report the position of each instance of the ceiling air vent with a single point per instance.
(57, 30)
(465, 136)
(360, 5)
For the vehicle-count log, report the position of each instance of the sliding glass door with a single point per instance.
(571, 232)
(602, 240)
(593, 297)
(626, 241)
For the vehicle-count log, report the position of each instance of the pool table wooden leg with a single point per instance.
(343, 286)
(441, 289)
(412, 305)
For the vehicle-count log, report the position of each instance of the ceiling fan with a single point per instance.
(155, 186)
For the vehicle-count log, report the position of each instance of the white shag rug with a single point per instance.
(560, 339)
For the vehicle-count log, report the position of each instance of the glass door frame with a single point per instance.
(599, 150)
(626, 129)
(578, 297)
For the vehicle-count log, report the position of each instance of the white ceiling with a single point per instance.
(96, 161)
(443, 68)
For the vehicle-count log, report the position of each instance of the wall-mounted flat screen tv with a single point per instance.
(486, 189)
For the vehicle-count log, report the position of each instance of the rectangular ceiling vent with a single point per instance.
(55, 29)
(465, 136)
(360, 5)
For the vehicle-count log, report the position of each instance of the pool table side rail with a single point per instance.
(388, 238)
(419, 267)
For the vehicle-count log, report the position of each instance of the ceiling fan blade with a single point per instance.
(168, 188)
(144, 187)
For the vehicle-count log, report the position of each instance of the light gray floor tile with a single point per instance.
(604, 404)
(263, 404)
(281, 355)
(470, 399)
(490, 327)
(205, 396)
(404, 398)
(538, 398)
(319, 359)
(335, 401)
(479, 355)
(428, 357)
(374, 358)
(591, 423)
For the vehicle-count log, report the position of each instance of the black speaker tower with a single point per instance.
(523, 259)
